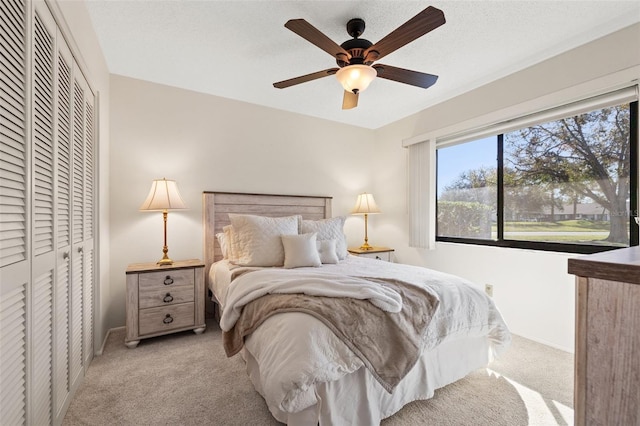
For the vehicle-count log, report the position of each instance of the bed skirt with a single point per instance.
(368, 402)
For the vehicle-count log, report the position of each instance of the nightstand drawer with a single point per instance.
(380, 253)
(164, 318)
(165, 279)
(151, 297)
(385, 255)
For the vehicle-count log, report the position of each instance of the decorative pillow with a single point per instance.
(328, 229)
(258, 238)
(327, 251)
(224, 244)
(232, 242)
(300, 250)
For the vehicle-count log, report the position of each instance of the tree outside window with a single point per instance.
(567, 181)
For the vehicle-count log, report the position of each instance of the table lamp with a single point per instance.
(365, 205)
(163, 196)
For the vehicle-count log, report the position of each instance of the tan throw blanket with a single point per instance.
(389, 344)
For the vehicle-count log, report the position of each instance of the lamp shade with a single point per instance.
(365, 204)
(163, 195)
(356, 78)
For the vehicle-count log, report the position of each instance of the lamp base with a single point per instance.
(165, 259)
(366, 246)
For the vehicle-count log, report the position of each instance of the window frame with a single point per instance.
(500, 241)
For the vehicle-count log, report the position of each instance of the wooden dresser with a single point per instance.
(607, 358)
(164, 299)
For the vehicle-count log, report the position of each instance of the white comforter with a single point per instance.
(295, 350)
(255, 284)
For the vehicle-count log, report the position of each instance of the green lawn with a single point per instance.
(574, 238)
(561, 226)
(570, 231)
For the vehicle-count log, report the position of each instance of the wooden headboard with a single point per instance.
(218, 205)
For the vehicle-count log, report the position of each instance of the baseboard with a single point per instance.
(547, 343)
(106, 336)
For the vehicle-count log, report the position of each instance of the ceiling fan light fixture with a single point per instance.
(356, 78)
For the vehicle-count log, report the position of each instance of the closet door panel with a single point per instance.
(42, 135)
(42, 201)
(13, 134)
(13, 352)
(77, 308)
(41, 383)
(63, 225)
(14, 212)
(78, 159)
(61, 332)
(88, 226)
(76, 324)
(88, 269)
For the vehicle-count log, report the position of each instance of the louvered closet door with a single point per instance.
(64, 123)
(42, 193)
(76, 329)
(88, 227)
(14, 211)
(47, 217)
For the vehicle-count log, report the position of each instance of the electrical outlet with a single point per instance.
(488, 288)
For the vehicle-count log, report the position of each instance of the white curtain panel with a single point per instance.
(422, 193)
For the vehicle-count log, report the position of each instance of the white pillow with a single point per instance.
(232, 242)
(328, 229)
(300, 250)
(258, 238)
(327, 251)
(224, 244)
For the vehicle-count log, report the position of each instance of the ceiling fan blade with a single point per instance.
(304, 78)
(425, 21)
(402, 75)
(315, 36)
(350, 100)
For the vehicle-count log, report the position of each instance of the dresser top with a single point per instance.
(136, 268)
(621, 265)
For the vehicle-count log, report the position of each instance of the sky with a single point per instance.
(454, 160)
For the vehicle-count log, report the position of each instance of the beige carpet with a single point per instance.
(185, 379)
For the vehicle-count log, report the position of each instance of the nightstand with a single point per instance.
(380, 253)
(164, 299)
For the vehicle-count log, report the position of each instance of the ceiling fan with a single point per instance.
(356, 56)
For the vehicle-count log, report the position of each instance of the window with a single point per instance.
(567, 184)
(467, 189)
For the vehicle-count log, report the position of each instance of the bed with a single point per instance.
(308, 368)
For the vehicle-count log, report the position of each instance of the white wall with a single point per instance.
(532, 289)
(208, 143)
(74, 20)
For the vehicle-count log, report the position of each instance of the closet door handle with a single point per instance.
(80, 249)
(65, 255)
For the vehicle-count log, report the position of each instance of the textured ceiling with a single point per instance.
(238, 49)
